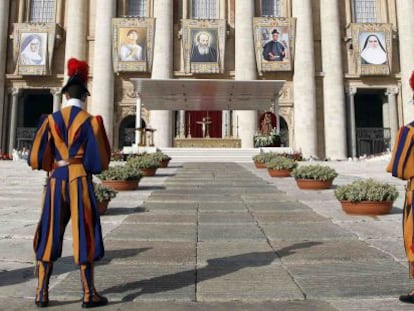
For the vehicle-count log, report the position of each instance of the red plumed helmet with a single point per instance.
(412, 81)
(78, 74)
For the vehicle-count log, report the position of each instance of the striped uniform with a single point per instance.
(73, 135)
(402, 166)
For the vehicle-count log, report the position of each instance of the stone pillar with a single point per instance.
(162, 68)
(13, 118)
(333, 84)
(103, 77)
(393, 115)
(21, 17)
(181, 125)
(351, 122)
(225, 127)
(405, 8)
(4, 20)
(138, 124)
(276, 111)
(305, 129)
(57, 98)
(245, 69)
(76, 29)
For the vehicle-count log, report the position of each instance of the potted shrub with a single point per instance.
(366, 197)
(281, 166)
(120, 178)
(144, 163)
(103, 195)
(262, 158)
(163, 158)
(314, 176)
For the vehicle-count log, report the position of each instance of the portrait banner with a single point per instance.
(33, 48)
(372, 45)
(132, 44)
(204, 45)
(274, 40)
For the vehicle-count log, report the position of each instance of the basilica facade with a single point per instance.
(343, 67)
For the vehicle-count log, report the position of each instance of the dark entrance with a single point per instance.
(370, 132)
(35, 103)
(127, 131)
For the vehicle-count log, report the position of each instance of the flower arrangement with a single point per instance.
(144, 160)
(314, 171)
(264, 157)
(281, 162)
(104, 193)
(119, 172)
(366, 190)
(271, 140)
(160, 156)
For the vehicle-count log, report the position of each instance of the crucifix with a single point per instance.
(205, 124)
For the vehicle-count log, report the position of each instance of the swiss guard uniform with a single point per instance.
(70, 145)
(402, 166)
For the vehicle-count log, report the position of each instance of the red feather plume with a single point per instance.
(412, 81)
(78, 67)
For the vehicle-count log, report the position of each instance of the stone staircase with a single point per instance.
(218, 154)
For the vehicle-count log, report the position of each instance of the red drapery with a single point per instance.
(192, 117)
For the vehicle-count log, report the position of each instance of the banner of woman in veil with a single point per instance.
(372, 45)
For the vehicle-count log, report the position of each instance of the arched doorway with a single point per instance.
(127, 131)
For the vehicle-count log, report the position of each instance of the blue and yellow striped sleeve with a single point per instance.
(402, 158)
(41, 153)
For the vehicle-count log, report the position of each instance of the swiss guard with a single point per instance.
(402, 166)
(70, 145)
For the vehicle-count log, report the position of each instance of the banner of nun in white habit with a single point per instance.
(33, 48)
(373, 48)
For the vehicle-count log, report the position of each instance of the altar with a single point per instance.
(207, 142)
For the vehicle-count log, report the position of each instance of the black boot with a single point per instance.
(409, 298)
(91, 298)
(44, 271)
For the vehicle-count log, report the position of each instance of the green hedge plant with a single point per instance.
(366, 190)
(264, 157)
(103, 193)
(281, 163)
(142, 161)
(119, 172)
(314, 171)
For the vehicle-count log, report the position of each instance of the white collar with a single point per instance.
(74, 102)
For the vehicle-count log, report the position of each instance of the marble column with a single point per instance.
(162, 68)
(4, 19)
(405, 9)
(21, 14)
(103, 77)
(245, 69)
(225, 128)
(393, 115)
(57, 98)
(351, 122)
(13, 118)
(138, 119)
(305, 129)
(181, 119)
(333, 83)
(76, 29)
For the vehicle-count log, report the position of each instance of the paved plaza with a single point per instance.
(216, 236)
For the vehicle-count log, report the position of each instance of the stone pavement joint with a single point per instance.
(216, 236)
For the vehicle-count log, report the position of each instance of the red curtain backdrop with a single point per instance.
(191, 117)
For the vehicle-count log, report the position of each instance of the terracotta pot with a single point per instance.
(148, 171)
(121, 185)
(164, 163)
(279, 173)
(259, 164)
(313, 184)
(367, 207)
(102, 206)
